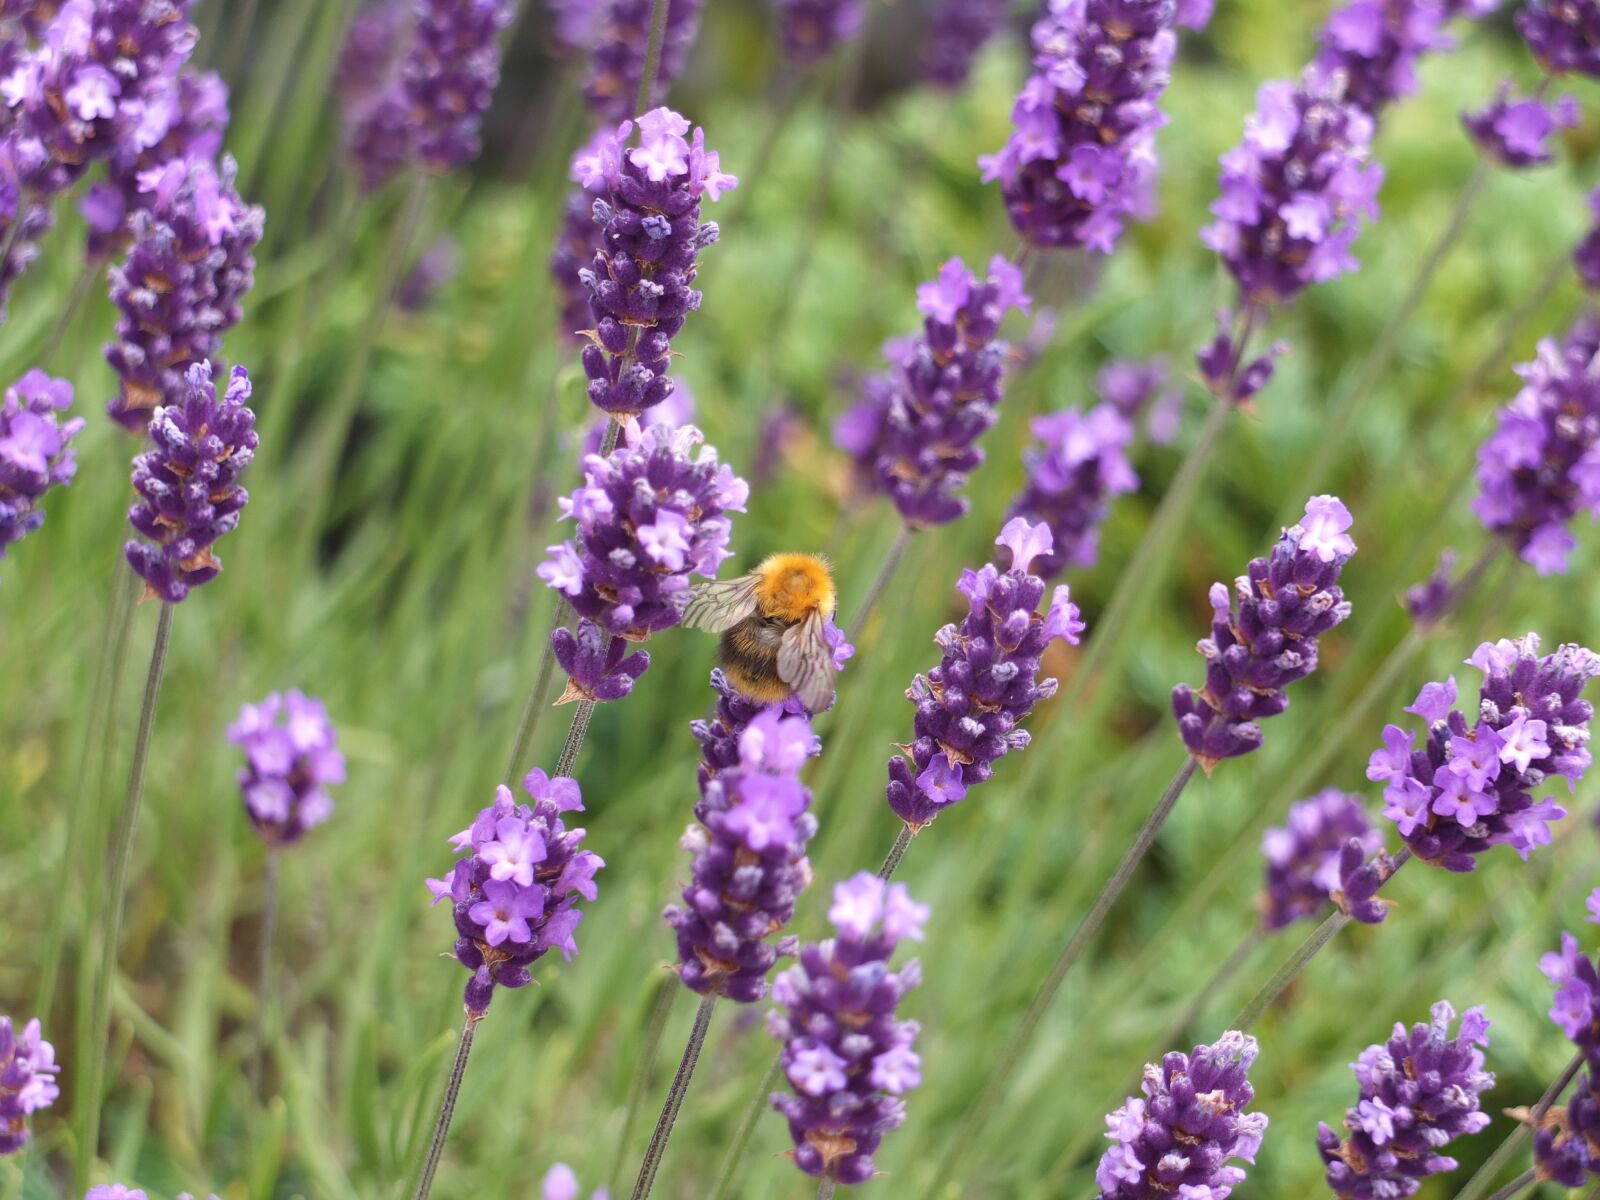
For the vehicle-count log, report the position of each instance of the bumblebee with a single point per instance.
(773, 623)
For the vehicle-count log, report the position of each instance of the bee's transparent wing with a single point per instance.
(720, 604)
(805, 662)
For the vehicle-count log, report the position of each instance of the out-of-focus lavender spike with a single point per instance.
(1303, 855)
(292, 758)
(35, 451)
(1429, 602)
(27, 1081)
(616, 69)
(1516, 132)
(957, 31)
(1370, 48)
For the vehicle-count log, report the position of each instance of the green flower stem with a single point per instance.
(674, 1101)
(747, 1124)
(659, 1012)
(880, 583)
(1521, 1183)
(264, 992)
(825, 1189)
(1519, 1137)
(891, 862)
(447, 1109)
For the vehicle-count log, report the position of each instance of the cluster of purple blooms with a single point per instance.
(35, 451)
(1470, 784)
(291, 759)
(957, 30)
(1540, 467)
(1566, 1144)
(750, 862)
(1429, 602)
(188, 483)
(648, 518)
(620, 37)
(1264, 635)
(1369, 49)
(27, 1081)
(914, 435)
(515, 889)
(1081, 462)
(847, 1057)
(1081, 159)
(1179, 1139)
(970, 707)
(1516, 131)
(640, 282)
(811, 29)
(1564, 35)
(1419, 1092)
(1305, 868)
(181, 285)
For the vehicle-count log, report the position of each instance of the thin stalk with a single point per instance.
(1520, 1183)
(994, 1087)
(675, 1095)
(58, 331)
(576, 732)
(741, 1136)
(1301, 958)
(1475, 1187)
(93, 1070)
(825, 1190)
(896, 852)
(264, 994)
(535, 706)
(880, 584)
(641, 1077)
(652, 55)
(447, 1109)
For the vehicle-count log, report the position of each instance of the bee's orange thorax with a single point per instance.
(793, 585)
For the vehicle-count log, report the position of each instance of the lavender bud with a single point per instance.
(35, 451)
(1429, 601)
(1515, 133)
(27, 1081)
(1563, 1145)
(1419, 1092)
(1360, 878)
(811, 29)
(617, 68)
(1371, 48)
(1470, 785)
(957, 31)
(1563, 35)
(847, 1057)
(971, 706)
(1303, 856)
(515, 889)
(1264, 637)
(291, 759)
(1225, 374)
(449, 74)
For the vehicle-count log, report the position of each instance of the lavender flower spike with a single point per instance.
(957, 30)
(617, 69)
(1540, 467)
(1304, 855)
(811, 29)
(1371, 48)
(1563, 35)
(915, 435)
(1514, 132)
(515, 890)
(1429, 602)
(1419, 1092)
(1081, 160)
(188, 484)
(640, 283)
(847, 1057)
(291, 759)
(1264, 636)
(1564, 1147)
(750, 864)
(27, 1081)
(1470, 784)
(449, 75)
(35, 454)
(1178, 1140)
(971, 706)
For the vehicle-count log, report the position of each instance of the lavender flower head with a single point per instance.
(957, 30)
(188, 484)
(1470, 784)
(1179, 1139)
(1540, 467)
(914, 436)
(1565, 1142)
(27, 1081)
(181, 286)
(291, 759)
(371, 51)
(640, 282)
(811, 29)
(617, 67)
(750, 864)
(1429, 602)
(1081, 159)
(35, 451)
(1564, 35)
(971, 706)
(1294, 192)
(1419, 1092)
(575, 27)
(1370, 48)
(1303, 855)
(1515, 132)
(515, 890)
(561, 1183)
(845, 1054)
(449, 74)
(1264, 636)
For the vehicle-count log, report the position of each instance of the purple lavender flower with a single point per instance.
(598, 665)
(750, 864)
(449, 74)
(1360, 879)
(648, 518)
(1223, 368)
(1564, 35)
(1294, 192)
(1470, 785)
(971, 706)
(372, 48)
(1303, 855)
(561, 1183)
(515, 889)
(1082, 159)
(188, 484)
(640, 281)
(181, 286)
(617, 68)
(438, 266)
(1516, 132)
(1429, 602)
(1419, 1092)
(27, 1081)
(115, 1191)
(1370, 48)
(1586, 257)
(915, 434)
(781, 427)
(35, 454)
(1179, 1139)
(1541, 466)
(1565, 1141)
(291, 759)
(575, 26)
(1264, 637)
(957, 31)
(811, 29)
(847, 1057)
(577, 243)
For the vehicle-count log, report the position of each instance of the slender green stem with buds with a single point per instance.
(1478, 1185)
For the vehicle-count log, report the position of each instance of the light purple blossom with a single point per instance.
(27, 1081)
(291, 759)
(35, 451)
